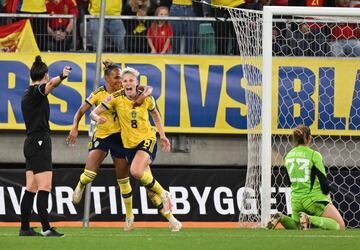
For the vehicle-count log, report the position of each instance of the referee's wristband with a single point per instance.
(62, 77)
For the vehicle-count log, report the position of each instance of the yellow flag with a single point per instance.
(18, 37)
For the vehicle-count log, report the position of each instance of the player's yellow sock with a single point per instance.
(156, 200)
(125, 189)
(151, 184)
(86, 177)
(167, 216)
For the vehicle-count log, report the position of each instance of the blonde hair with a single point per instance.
(129, 70)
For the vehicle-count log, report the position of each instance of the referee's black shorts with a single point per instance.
(37, 152)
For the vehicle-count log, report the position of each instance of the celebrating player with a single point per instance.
(310, 200)
(37, 147)
(106, 138)
(139, 138)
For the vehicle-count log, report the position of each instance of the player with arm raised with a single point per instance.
(310, 199)
(139, 138)
(106, 138)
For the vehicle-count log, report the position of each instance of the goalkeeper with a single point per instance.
(310, 199)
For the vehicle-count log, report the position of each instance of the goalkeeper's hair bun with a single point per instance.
(298, 132)
(301, 134)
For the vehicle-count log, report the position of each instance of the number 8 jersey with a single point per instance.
(306, 172)
(134, 121)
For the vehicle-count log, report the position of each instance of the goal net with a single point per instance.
(301, 66)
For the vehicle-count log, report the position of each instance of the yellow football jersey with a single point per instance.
(182, 2)
(134, 122)
(112, 125)
(228, 3)
(112, 8)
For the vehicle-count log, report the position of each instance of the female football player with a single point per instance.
(139, 138)
(310, 200)
(106, 138)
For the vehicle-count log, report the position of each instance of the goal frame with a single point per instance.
(266, 117)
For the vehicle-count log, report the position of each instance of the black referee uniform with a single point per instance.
(37, 146)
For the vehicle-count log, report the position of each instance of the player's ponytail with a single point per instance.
(109, 66)
(38, 69)
(301, 135)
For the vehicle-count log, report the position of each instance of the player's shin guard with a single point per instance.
(42, 205)
(85, 178)
(125, 189)
(26, 208)
(150, 183)
(324, 223)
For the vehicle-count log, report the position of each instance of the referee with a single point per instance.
(37, 147)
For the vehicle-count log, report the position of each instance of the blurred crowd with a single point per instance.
(185, 35)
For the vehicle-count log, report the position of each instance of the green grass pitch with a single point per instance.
(187, 239)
